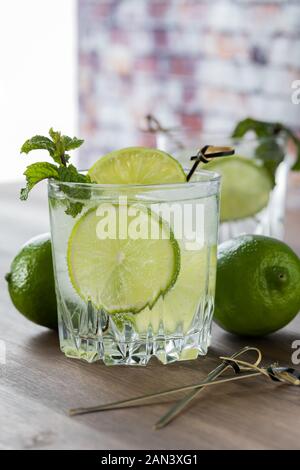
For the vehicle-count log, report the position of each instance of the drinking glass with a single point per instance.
(269, 221)
(176, 324)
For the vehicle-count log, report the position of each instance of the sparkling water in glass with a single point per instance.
(177, 326)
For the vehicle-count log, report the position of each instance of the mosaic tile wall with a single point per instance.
(203, 64)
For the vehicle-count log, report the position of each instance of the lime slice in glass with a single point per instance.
(137, 165)
(111, 267)
(245, 186)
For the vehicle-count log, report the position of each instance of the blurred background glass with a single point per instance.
(192, 63)
(269, 219)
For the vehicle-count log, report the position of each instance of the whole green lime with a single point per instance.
(31, 282)
(258, 285)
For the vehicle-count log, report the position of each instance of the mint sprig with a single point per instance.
(38, 142)
(35, 173)
(269, 131)
(57, 146)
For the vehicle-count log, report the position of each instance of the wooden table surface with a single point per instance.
(38, 384)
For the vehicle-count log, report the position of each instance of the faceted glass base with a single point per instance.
(166, 349)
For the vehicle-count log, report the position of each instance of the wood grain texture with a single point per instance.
(38, 384)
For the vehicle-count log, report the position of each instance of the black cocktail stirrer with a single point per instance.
(206, 154)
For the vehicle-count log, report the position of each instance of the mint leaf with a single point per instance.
(71, 143)
(55, 136)
(296, 166)
(38, 142)
(35, 173)
(296, 141)
(260, 128)
(73, 208)
(59, 153)
(57, 146)
(271, 154)
(270, 130)
(63, 143)
(70, 174)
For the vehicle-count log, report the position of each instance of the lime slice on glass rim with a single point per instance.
(137, 165)
(121, 273)
(245, 187)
